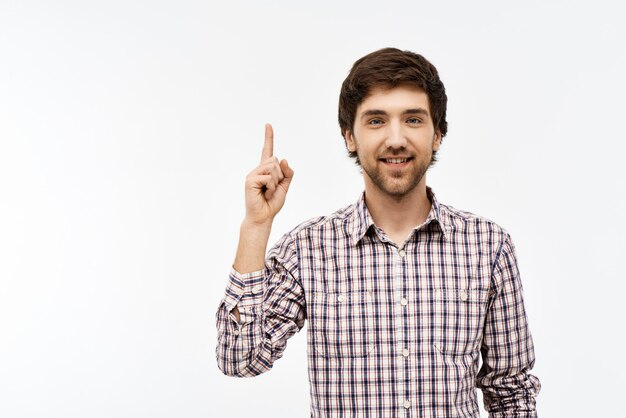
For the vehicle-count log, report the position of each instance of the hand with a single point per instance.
(267, 184)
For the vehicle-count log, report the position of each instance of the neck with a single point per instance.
(398, 215)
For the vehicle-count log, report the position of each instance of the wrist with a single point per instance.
(253, 239)
(253, 226)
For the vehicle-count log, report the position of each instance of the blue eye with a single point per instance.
(375, 122)
(413, 120)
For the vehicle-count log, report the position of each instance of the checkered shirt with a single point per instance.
(393, 331)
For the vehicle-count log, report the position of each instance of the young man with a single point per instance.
(403, 294)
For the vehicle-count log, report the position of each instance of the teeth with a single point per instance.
(396, 160)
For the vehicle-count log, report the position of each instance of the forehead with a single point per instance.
(400, 98)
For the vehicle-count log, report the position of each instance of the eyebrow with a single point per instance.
(377, 112)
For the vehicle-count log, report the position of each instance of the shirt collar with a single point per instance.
(362, 220)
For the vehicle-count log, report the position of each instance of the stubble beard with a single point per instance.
(397, 184)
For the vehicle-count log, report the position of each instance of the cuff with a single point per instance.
(244, 291)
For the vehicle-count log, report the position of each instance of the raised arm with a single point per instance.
(263, 304)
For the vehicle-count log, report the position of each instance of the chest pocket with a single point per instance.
(460, 316)
(341, 325)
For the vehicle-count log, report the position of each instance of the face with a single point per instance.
(394, 138)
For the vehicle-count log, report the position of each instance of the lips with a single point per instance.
(396, 162)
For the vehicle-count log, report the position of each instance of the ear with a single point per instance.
(437, 141)
(350, 143)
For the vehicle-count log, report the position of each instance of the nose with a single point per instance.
(395, 136)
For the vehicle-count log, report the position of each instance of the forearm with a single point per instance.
(510, 395)
(251, 250)
(509, 389)
(252, 246)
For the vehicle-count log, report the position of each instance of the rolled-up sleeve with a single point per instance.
(509, 390)
(271, 308)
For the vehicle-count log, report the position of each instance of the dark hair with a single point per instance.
(389, 67)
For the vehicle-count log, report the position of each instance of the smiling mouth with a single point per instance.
(396, 161)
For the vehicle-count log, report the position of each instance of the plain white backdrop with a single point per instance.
(127, 129)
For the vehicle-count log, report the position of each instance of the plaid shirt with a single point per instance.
(393, 331)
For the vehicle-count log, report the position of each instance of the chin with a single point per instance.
(398, 190)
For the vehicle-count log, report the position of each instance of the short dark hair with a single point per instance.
(388, 68)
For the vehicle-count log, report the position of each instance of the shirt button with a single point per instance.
(401, 253)
(257, 288)
(464, 295)
(405, 352)
(403, 302)
(341, 298)
(407, 404)
(236, 332)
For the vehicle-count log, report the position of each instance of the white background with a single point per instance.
(127, 129)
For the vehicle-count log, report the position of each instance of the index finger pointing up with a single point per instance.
(268, 147)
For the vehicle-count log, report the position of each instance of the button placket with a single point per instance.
(399, 271)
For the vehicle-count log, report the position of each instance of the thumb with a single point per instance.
(287, 172)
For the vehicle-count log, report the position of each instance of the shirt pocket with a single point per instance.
(460, 317)
(341, 324)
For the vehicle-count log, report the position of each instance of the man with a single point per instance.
(403, 294)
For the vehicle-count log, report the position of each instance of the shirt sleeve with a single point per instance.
(271, 308)
(509, 390)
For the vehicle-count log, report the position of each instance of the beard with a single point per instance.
(395, 182)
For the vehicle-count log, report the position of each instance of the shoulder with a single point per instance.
(337, 219)
(463, 224)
